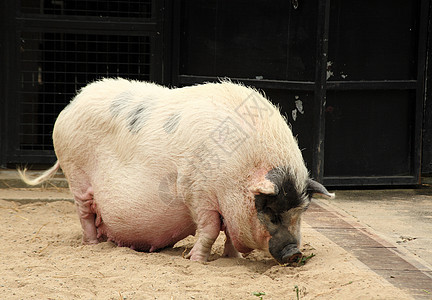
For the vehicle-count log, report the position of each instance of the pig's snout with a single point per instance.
(290, 254)
(284, 253)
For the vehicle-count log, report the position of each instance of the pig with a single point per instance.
(149, 165)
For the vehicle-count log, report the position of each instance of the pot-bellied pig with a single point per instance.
(149, 166)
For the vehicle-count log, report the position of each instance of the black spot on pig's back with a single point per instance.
(120, 103)
(138, 117)
(127, 106)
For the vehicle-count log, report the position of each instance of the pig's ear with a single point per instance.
(264, 187)
(317, 188)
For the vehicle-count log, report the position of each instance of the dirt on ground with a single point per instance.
(41, 257)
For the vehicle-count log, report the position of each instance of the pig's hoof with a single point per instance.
(90, 242)
(231, 252)
(194, 256)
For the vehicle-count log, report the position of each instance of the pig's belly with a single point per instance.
(144, 227)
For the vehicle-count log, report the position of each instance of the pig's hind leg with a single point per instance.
(208, 228)
(84, 204)
(229, 249)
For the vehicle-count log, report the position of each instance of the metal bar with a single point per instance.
(155, 50)
(427, 110)
(3, 72)
(421, 79)
(373, 85)
(11, 71)
(167, 41)
(370, 181)
(84, 18)
(32, 9)
(32, 157)
(318, 126)
(261, 83)
(176, 33)
(89, 25)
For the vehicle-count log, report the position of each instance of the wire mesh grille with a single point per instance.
(55, 65)
(99, 8)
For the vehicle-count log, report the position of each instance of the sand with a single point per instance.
(41, 257)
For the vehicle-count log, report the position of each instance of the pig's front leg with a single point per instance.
(208, 228)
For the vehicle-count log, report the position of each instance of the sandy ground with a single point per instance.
(41, 257)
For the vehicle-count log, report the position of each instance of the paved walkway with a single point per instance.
(389, 231)
(388, 259)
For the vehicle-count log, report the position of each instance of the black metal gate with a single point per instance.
(348, 74)
(53, 48)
